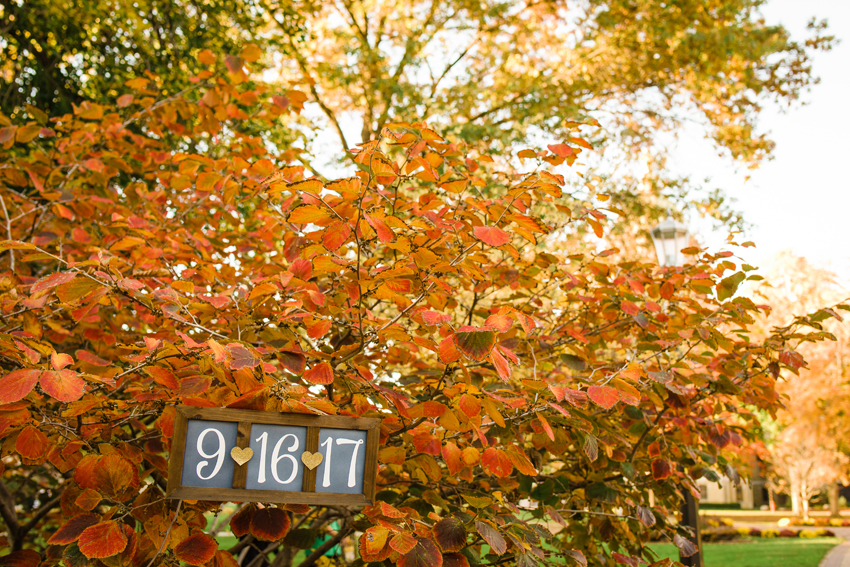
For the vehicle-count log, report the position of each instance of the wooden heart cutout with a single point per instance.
(311, 460)
(241, 456)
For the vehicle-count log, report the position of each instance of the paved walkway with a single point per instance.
(839, 556)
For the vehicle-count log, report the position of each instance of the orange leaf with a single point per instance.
(491, 235)
(321, 373)
(496, 462)
(270, 524)
(452, 457)
(197, 549)
(605, 396)
(31, 443)
(385, 233)
(17, 384)
(661, 469)
(71, 530)
(63, 385)
(101, 540)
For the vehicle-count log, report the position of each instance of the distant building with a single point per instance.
(749, 495)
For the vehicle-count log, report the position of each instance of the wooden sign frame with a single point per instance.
(244, 420)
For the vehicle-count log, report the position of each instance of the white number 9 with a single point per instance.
(218, 455)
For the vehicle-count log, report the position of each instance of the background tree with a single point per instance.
(160, 252)
(506, 73)
(815, 400)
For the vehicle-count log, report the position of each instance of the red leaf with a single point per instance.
(196, 549)
(385, 233)
(21, 558)
(31, 443)
(292, 361)
(629, 307)
(605, 396)
(661, 469)
(501, 323)
(448, 351)
(434, 317)
(52, 281)
(163, 376)
(624, 559)
(88, 499)
(492, 536)
(15, 385)
(336, 235)
(241, 357)
(450, 534)
(403, 543)
(240, 523)
(270, 524)
(469, 405)
(63, 385)
(502, 366)
(60, 360)
(89, 358)
(546, 427)
(561, 150)
(455, 560)
(475, 342)
(318, 329)
(496, 462)
(104, 539)
(452, 455)
(491, 235)
(424, 554)
(321, 373)
(71, 530)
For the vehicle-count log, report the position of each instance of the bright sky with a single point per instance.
(801, 199)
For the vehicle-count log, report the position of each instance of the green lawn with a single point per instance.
(787, 552)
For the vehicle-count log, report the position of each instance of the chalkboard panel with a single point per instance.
(207, 460)
(344, 458)
(276, 464)
(255, 456)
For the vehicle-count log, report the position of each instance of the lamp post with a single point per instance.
(669, 237)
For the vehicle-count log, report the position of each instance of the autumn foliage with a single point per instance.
(157, 253)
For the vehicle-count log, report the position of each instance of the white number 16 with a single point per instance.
(326, 480)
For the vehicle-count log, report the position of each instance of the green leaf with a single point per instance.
(728, 286)
(475, 342)
(601, 491)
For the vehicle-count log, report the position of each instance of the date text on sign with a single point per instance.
(256, 456)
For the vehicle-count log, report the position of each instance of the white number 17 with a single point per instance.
(326, 480)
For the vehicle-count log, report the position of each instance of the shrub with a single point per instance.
(788, 533)
(769, 533)
(723, 533)
(808, 534)
(755, 532)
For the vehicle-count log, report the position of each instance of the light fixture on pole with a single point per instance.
(669, 237)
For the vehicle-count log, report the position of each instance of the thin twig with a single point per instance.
(168, 531)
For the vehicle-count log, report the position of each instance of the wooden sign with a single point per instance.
(257, 456)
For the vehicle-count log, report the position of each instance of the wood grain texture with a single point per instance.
(373, 437)
(245, 418)
(309, 484)
(178, 450)
(243, 440)
(275, 418)
(271, 496)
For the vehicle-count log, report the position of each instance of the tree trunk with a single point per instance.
(771, 500)
(805, 502)
(795, 498)
(834, 506)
